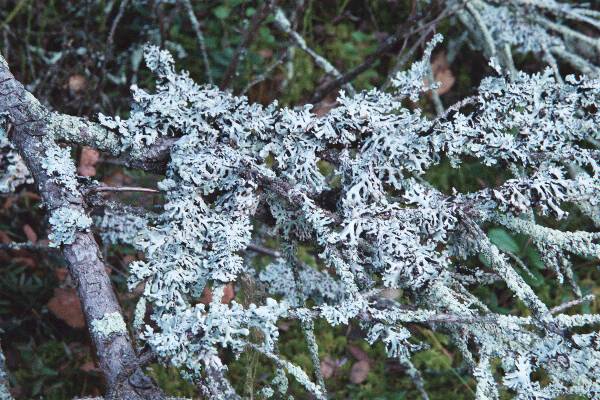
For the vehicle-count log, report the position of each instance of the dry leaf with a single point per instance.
(77, 83)
(28, 262)
(30, 233)
(358, 353)
(228, 295)
(266, 53)
(65, 305)
(442, 73)
(328, 367)
(359, 372)
(4, 238)
(61, 274)
(87, 162)
(89, 366)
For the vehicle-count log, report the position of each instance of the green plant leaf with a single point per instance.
(503, 240)
(222, 12)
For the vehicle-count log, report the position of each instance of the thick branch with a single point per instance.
(33, 138)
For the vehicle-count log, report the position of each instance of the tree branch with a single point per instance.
(32, 136)
(248, 38)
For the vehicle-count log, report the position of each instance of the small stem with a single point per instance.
(123, 189)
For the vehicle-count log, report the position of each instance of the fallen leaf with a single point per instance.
(266, 53)
(30, 233)
(61, 274)
(77, 83)
(87, 162)
(359, 372)
(358, 353)
(328, 367)
(65, 305)
(228, 295)
(89, 366)
(442, 73)
(4, 238)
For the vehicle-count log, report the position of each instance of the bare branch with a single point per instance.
(284, 25)
(123, 189)
(247, 39)
(199, 37)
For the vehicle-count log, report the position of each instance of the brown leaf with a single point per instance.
(266, 53)
(358, 353)
(25, 261)
(228, 295)
(359, 372)
(4, 238)
(65, 305)
(61, 274)
(442, 73)
(89, 366)
(328, 367)
(87, 162)
(77, 83)
(30, 233)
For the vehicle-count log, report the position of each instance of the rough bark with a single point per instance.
(30, 128)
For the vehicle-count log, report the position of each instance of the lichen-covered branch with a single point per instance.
(54, 176)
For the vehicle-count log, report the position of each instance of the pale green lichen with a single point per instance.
(139, 314)
(384, 228)
(65, 222)
(59, 165)
(109, 324)
(13, 171)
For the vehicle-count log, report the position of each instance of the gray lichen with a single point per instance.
(13, 170)
(389, 229)
(109, 324)
(65, 222)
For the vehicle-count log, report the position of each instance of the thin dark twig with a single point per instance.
(110, 40)
(200, 38)
(560, 308)
(284, 57)
(263, 250)
(385, 47)
(404, 57)
(248, 37)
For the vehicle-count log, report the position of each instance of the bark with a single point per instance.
(30, 127)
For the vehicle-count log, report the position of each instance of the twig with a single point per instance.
(586, 299)
(123, 189)
(284, 25)
(248, 38)
(263, 250)
(111, 38)
(403, 59)
(385, 47)
(200, 37)
(284, 57)
(26, 246)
